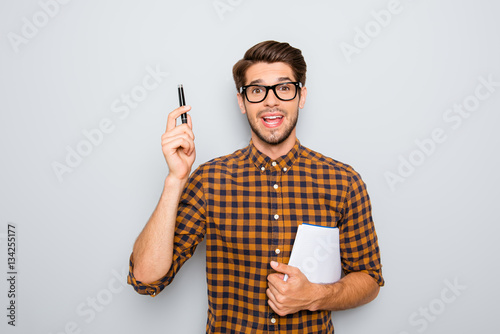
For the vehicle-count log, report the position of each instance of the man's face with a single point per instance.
(272, 120)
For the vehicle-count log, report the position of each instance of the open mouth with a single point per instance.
(272, 121)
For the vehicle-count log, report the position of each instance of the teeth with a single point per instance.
(273, 117)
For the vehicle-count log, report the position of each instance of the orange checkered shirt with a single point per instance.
(248, 208)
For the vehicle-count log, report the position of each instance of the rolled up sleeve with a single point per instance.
(189, 232)
(359, 243)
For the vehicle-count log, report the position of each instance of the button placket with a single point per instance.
(277, 188)
(273, 186)
(278, 224)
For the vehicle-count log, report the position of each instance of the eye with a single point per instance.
(284, 88)
(256, 90)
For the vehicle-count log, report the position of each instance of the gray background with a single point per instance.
(436, 228)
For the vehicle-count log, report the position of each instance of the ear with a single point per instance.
(241, 103)
(303, 95)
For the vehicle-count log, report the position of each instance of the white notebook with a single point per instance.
(316, 252)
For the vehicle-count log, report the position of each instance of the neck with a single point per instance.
(274, 151)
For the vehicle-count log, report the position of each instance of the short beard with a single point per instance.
(273, 139)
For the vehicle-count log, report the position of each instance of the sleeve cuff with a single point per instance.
(376, 275)
(152, 289)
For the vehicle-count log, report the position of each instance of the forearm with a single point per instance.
(153, 249)
(353, 290)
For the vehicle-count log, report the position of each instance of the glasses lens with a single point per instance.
(286, 91)
(255, 93)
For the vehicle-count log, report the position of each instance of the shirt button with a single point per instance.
(277, 251)
(275, 186)
(273, 320)
(273, 163)
(262, 168)
(276, 217)
(285, 169)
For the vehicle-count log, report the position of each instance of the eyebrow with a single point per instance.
(258, 81)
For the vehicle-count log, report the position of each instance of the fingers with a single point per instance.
(180, 131)
(190, 122)
(273, 289)
(178, 144)
(172, 117)
(276, 280)
(276, 291)
(171, 143)
(271, 294)
(285, 269)
(275, 301)
(277, 286)
(290, 296)
(271, 299)
(181, 136)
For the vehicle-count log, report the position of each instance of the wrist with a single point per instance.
(318, 293)
(174, 184)
(173, 181)
(323, 294)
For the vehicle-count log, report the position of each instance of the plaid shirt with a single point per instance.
(248, 208)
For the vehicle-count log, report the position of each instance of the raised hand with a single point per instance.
(178, 145)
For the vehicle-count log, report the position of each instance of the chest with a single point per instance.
(250, 208)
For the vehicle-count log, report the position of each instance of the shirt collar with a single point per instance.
(284, 163)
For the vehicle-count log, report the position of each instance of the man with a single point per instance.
(248, 206)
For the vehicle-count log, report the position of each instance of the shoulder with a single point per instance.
(224, 163)
(338, 174)
(318, 161)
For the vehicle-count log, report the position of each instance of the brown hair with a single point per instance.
(270, 52)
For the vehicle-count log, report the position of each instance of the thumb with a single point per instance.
(283, 268)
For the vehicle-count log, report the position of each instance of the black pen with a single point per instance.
(182, 102)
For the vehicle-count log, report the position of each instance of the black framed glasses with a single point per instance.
(285, 91)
